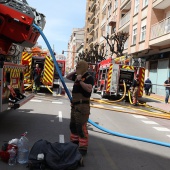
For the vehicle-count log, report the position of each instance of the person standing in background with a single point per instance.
(147, 86)
(167, 89)
(36, 77)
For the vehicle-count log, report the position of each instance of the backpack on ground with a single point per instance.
(57, 156)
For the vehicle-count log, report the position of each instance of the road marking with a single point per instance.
(43, 94)
(149, 122)
(116, 107)
(38, 101)
(139, 117)
(60, 116)
(61, 138)
(57, 102)
(162, 129)
(96, 105)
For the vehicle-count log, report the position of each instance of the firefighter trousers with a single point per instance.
(36, 85)
(135, 95)
(78, 125)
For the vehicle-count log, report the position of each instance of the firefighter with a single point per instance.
(135, 89)
(80, 106)
(36, 77)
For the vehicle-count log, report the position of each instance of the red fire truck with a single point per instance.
(50, 78)
(16, 32)
(112, 78)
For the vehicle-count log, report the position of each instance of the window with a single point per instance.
(115, 4)
(134, 36)
(143, 33)
(136, 9)
(145, 3)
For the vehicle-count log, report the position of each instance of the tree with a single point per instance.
(118, 40)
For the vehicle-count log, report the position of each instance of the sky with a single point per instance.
(61, 17)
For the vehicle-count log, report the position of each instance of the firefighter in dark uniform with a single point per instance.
(135, 90)
(80, 105)
(37, 77)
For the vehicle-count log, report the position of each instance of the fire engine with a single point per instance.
(16, 33)
(50, 78)
(112, 77)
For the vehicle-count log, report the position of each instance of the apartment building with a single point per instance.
(148, 24)
(75, 46)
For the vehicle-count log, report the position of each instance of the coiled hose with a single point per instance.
(90, 121)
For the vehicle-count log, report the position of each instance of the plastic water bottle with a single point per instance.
(12, 158)
(23, 149)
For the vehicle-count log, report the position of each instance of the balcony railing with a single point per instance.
(93, 4)
(160, 29)
(91, 28)
(101, 39)
(104, 5)
(92, 16)
(103, 21)
(91, 40)
(125, 19)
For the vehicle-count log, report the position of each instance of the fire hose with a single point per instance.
(90, 121)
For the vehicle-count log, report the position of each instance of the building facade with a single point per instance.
(147, 23)
(75, 45)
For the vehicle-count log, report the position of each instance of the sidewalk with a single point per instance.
(156, 101)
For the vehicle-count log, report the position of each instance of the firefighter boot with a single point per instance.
(135, 101)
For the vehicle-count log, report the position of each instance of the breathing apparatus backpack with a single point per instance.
(56, 156)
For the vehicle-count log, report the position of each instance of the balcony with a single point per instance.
(91, 29)
(104, 5)
(92, 18)
(125, 4)
(90, 40)
(125, 19)
(103, 21)
(161, 4)
(160, 33)
(93, 5)
(101, 39)
(112, 20)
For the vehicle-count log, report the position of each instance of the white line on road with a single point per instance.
(116, 107)
(38, 101)
(149, 122)
(60, 116)
(61, 138)
(57, 102)
(161, 129)
(139, 117)
(97, 105)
